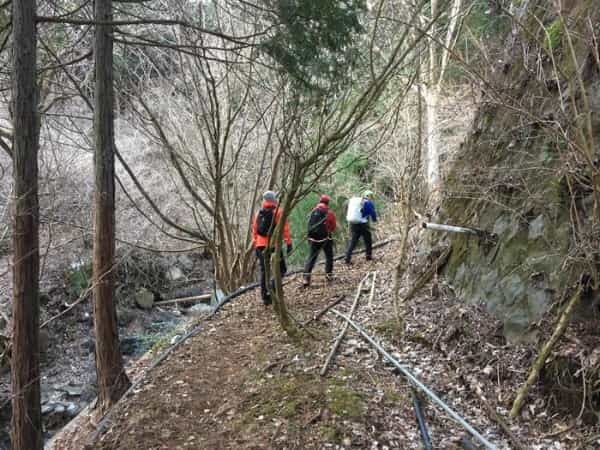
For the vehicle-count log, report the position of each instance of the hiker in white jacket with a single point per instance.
(360, 210)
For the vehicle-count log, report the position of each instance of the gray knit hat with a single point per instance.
(270, 195)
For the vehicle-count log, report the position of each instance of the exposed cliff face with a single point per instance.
(524, 173)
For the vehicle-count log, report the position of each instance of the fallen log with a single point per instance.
(428, 274)
(540, 361)
(372, 294)
(324, 310)
(338, 341)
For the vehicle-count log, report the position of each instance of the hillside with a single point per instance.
(181, 145)
(240, 382)
(526, 174)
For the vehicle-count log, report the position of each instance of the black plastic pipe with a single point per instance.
(421, 421)
(467, 444)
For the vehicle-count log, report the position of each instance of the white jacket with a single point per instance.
(354, 214)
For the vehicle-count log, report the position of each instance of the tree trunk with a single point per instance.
(433, 142)
(438, 64)
(278, 297)
(26, 412)
(112, 380)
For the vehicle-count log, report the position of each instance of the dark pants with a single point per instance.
(359, 230)
(263, 282)
(315, 248)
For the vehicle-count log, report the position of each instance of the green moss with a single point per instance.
(282, 396)
(393, 397)
(290, 409)
(160, 344)
(553, 35)
(388, 328)
(332, 434)
(345, 402)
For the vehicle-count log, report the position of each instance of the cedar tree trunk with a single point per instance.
(112, 380)
(26, 413)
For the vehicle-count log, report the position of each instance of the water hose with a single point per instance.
(488, 445)
(421, 421)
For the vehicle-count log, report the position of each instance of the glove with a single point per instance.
(289, 248)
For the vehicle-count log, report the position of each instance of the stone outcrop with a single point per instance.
(520, 174)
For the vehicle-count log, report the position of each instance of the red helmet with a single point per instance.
(324, 199)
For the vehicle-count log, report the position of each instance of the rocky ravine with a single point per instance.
(67, 358)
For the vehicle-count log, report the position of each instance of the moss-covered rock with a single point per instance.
(510, 179)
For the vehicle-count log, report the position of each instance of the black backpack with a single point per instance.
(265, 221)
(317, 228)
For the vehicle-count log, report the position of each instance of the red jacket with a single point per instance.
(330, 220)
(262, 241)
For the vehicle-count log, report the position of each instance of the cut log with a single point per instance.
(195, 298)
(144, 299)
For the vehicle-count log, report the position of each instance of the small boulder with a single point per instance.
(73, 390)
(199, 309)
(55, 415)
(125, 316)
(144, 298)
(72, 410)
(186, 262)
(130, 345)
(174, 273)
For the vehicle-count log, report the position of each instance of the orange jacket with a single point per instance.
(262, 241)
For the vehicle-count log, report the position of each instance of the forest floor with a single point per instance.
(242, 383)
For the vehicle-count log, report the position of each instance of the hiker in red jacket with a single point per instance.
(321, 225)
(262, 227)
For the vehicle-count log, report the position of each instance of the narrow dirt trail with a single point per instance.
(241, 383)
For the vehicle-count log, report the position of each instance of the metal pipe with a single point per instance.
(421, 422)
(482, 234)
(449, 228)
(420, 385)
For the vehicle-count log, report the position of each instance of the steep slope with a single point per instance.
(526, 173)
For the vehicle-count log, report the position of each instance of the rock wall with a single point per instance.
(521, 174)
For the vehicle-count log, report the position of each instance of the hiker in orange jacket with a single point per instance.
(321, 224)
(262, 227)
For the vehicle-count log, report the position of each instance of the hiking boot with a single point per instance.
(348, 262)
(267, 301)
(329, 277)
